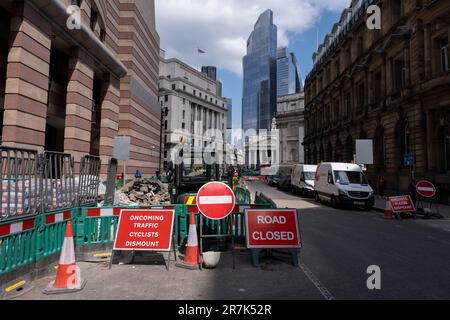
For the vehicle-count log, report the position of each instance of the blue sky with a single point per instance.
(221, 28)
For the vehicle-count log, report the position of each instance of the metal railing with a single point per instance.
(89, 180)
(58, 181)
(20, 191)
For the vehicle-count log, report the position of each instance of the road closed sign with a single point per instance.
(145, 230)
(272, 228)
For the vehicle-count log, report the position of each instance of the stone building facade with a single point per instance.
(290, 122)
(390, 85)
(73, 88)
(196, 111)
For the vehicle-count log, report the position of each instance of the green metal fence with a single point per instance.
(30, 240)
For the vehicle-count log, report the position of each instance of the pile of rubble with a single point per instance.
(143, 192)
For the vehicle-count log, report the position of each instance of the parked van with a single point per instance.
(343, 184)
(303, 179)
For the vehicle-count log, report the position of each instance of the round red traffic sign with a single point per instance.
(216, 200)
(426, 189)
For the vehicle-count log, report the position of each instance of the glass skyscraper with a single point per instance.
(288, 73)
(259, 92)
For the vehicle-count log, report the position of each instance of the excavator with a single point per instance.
(189, 175)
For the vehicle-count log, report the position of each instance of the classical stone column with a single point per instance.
(77, 137)
(26, 93)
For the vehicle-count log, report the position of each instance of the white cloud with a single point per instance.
(222, 27)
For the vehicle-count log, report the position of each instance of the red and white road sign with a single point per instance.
(216, 200)
(145, 230)
(426, 189)
(402, 204)
(272, 228)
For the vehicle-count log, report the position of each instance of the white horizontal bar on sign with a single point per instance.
(425, 189)
(216, 200)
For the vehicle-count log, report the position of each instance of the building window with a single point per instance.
(360, 46)
(184, 101)
(183, 126)
(195, 92)
(94, 18)
(200, 94)
(184, 88)
(337, 110)
(447, 151)
(380, 147)
(165, 125)
(102, 35)
(337, 68)
(399, 73)
(361, 97)
(376, 85)
(174, 87)
(166, 98)
(184, 114)
(348, 104)
(398, 9)
(445, 62)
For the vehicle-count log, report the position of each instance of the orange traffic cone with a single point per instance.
(388, 214)
(68, 277)
(192, 257)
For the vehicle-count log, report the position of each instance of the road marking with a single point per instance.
(316, 282)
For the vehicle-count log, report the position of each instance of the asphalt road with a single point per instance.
(339, 246)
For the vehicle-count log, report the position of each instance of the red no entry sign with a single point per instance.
(215, 200)
(145, 230)
(426, 189)
(272, 228)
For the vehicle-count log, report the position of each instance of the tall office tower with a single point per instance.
(288, 73)
(210, 71)
(259, 93)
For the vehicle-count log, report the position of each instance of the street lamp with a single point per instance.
(164, 113)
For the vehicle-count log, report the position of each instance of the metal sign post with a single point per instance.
(216, 201)
(122, 146)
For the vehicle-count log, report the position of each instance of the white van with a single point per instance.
(343, 184)
(303, 179)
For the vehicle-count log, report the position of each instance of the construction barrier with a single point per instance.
(89, 180)
(29, 240)
(45, 189)
(19, 184)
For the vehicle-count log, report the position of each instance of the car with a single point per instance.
(343, 184)
(303, 178)
(285, 183)
(273, 180)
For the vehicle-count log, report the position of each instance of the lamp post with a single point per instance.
(164, 113)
